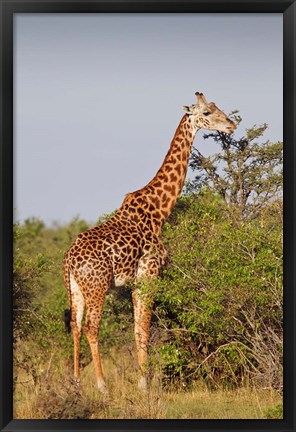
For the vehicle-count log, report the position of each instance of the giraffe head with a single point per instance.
(209, 116)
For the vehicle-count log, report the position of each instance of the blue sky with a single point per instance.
(97, 98)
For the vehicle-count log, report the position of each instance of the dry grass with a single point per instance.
(235, 404)
(54, 396)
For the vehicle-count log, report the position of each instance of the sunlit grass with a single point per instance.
(55, 396)
(221, 404)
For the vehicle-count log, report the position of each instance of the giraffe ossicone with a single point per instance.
(128, 248)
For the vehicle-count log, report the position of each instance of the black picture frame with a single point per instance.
(8, 9)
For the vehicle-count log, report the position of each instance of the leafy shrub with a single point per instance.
(220, 298)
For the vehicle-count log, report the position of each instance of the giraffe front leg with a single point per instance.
(142, 315)
(143, 299)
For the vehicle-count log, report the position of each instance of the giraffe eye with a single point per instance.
(206, 113)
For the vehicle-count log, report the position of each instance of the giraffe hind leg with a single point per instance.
(77, 310)
(91, 329)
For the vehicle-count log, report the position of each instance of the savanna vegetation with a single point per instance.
(216, 343)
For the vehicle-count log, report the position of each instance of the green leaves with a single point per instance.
(222, 285)
(245, 173)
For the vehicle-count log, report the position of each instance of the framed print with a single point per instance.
(147, 215)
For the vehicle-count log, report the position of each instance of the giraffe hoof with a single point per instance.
(142, 384)
(103, 389)
(77, 382)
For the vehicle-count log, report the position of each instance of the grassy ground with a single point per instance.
(49, 393)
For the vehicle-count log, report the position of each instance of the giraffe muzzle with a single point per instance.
(231, 129)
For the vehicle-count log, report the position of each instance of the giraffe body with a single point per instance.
(127, 249)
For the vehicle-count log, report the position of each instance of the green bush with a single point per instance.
(220, 297)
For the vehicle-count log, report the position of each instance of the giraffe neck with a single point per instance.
(153, 203)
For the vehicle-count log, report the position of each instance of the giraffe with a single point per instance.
(127, 249)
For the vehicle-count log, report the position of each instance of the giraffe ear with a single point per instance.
(187, 109)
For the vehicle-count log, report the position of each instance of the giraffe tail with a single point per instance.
(67, 320)
(67, 312)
